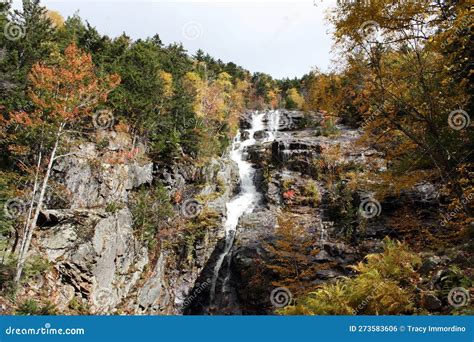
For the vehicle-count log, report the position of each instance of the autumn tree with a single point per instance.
(65, 94)
(292, 256)
(294, 100)
(56, 18)
(217, 105)
(413, 83)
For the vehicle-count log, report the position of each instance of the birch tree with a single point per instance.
(65, 95)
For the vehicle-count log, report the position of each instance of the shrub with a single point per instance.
(34, 267)
(113, 207)
(196, 229)
(327, 128)
(78, 306)
(311, 191)
(31, 308)
(7, 272)
(150, 208)
(341, 209)
(384, 286)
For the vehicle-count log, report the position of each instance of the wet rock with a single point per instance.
(288, 150)
(436, 279)
(246, 120)
(423, 195)
(260, 135)
(273, 193)
(290, 120)
(430, 302)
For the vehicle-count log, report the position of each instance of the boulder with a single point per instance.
(260, 135)
(430, 302)
(429, 264)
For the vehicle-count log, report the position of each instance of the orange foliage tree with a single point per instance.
(292, 256)
(64, 94)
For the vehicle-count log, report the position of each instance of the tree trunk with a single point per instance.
(32, 204)
(28, 234)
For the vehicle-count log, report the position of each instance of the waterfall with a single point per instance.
(248, 197)
(273, 124)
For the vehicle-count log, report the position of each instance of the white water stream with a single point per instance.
(248, 197)
(273, 124)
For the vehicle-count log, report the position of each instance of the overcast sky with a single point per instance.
(283, 39)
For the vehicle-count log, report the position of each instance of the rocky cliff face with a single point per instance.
(97, 261)
(295, 188)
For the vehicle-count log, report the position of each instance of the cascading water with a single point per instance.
(273, 124)
(246, 200)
